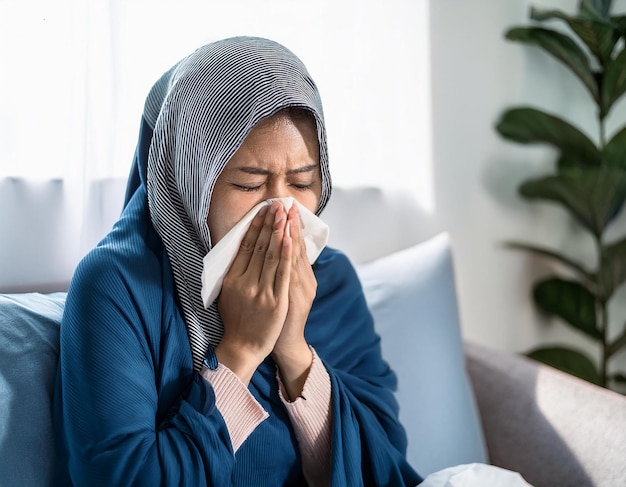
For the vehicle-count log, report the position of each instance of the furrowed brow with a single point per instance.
(265, 172)
(254, 170)
(299, 170)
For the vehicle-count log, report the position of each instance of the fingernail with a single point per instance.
(263, 210)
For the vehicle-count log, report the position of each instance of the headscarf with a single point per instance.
(201, 110)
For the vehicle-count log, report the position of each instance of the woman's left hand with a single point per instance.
(291, 352)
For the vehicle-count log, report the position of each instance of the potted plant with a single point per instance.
(589, 180)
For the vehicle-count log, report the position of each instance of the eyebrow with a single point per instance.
(264, 172)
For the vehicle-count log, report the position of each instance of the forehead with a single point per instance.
(279, 140)
(300, 123)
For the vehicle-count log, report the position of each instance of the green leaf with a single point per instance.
(613, 269)
(561, 47)
(529, 125)
(553, 255)
(595, 9)
(565, 161)
(570, 301)
(614, 154)
(594, 196)
(570, 361)
(619, 23)
(596, 34)
(614, 83)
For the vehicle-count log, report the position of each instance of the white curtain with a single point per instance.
(76, 72)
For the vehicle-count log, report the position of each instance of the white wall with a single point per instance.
(476, 74)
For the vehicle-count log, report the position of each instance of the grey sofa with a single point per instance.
(554, 429)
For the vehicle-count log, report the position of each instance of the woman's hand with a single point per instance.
(291, 352)
(255, 296)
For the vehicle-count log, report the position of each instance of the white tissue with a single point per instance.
(219, 259)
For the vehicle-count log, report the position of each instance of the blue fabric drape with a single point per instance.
(130, 409)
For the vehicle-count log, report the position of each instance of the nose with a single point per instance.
(277, 190)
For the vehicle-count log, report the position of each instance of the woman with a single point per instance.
(279, 381)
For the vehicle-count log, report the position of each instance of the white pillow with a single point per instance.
(412, 297)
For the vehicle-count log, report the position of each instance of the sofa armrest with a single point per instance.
(551, 427)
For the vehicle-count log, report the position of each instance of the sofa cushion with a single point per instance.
(412, 297)
(29, 348)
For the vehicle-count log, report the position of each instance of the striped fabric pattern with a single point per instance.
(201, 111)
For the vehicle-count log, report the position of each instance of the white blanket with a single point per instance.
(474, 475)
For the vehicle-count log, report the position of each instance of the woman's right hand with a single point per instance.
(254, 299)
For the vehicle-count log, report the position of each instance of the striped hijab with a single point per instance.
(201, 111)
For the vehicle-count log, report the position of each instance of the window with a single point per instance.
(77, 73)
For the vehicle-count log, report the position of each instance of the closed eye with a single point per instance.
(246, 188)
(302, 187)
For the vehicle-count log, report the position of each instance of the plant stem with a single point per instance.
(602, 134)
(604, 352)
(602, 311)
(602, 262)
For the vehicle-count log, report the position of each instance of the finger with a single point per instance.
(302, 275)
(295, 230)
(273, 254)
(283, 271)
(275, 215)
(248, 243)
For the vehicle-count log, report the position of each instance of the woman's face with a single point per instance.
(278, 158)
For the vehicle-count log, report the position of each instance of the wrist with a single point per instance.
(293, 367)
(240, 361)
(295, 355)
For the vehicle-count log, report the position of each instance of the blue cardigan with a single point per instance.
(130, 410)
